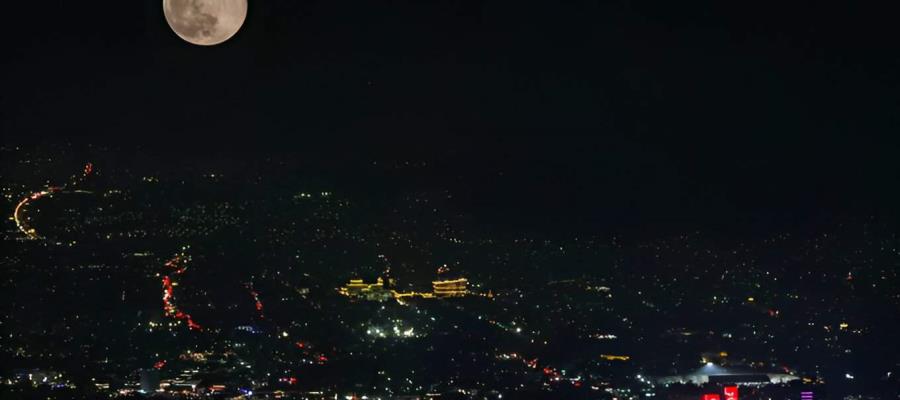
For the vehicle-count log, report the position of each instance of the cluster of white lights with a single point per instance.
(396, 331)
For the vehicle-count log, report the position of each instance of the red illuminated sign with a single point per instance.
(710, 396)
(731, 393)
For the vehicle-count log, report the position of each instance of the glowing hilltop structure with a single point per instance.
(359, 289)
(450, 288)
(378, 291)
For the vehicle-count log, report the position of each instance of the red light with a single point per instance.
(710, 396)
(159, 364)
(731, 393)
(292, 380)
(192, 325)
(168, 289)
(258, 302)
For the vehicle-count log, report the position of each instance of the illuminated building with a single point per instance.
(149, 380)
(715, 374)
(182, 385)
(379, 291)
(451, 288)
(359, 289)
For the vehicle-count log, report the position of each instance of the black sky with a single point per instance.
(590, 113)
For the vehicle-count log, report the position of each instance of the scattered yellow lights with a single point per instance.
(610, 357)
(723, 354)
(844, 325)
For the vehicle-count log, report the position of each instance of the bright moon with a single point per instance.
(205, 22)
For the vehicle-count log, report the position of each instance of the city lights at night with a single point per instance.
(449, 200)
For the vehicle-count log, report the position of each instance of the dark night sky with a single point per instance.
(633, 110)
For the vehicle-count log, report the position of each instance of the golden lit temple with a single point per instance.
(451, 288)
(359, 289)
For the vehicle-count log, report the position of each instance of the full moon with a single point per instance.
(205, 22)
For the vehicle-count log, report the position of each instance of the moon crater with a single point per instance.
(205, 22)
